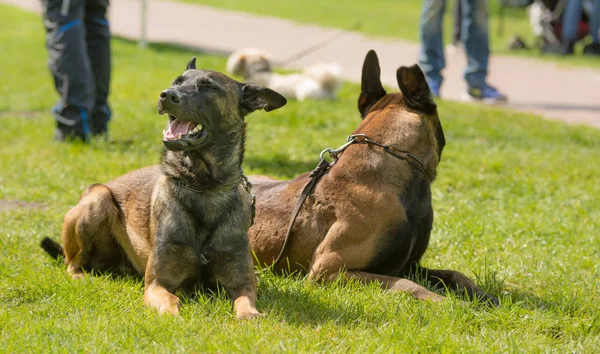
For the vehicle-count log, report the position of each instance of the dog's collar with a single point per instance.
(244, 181)
(364, 139)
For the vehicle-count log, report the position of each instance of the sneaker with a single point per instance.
(486, 93)
(592, 49)
(99, 122)
(565, 48)
(434, 87)
(71, 123)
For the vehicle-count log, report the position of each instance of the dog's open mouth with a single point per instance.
(178, 129)
(181, 135)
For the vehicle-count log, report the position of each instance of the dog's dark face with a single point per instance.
(202, 104)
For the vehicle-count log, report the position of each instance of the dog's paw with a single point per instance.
(489, 300)
(433, 297)
(248, 314)
(75, 273)
(163, 301)
(171, 306)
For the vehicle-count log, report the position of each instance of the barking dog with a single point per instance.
(182, 224)
(319, 81)
(371, 212)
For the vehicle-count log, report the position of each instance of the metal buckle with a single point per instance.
(248, 187)
(354, 137)
(332, 154)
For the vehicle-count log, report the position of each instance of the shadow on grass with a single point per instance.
(303, 306)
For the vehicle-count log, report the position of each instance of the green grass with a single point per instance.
(396, 19)
(516, 205)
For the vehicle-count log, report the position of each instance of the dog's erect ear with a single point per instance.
(191, 64)
(371, 88)
(255, 97)
(415, 89)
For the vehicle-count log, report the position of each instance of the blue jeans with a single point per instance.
(571, 19)
(474, 34)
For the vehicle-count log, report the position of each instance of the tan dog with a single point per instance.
(371, 213)
(318, 82)
(183, 224)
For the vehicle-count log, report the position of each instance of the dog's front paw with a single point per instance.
(162, 300)
(248, 314)
(170, 307)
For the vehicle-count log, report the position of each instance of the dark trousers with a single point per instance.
(78, 42)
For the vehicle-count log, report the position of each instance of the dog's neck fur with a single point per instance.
(213, 168)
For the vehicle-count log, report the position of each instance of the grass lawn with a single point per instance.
(395, 19)
(516, 205)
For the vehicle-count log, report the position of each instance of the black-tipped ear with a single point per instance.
(415, 89)
(191, 64)
(255, 97)
(371, 87)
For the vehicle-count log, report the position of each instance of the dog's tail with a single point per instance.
(52, 248)
(329, 76)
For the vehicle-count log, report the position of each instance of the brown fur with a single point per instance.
(371, 214)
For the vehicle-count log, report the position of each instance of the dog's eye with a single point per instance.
(206, 85)
(177, 81)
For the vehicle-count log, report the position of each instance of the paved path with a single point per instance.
(568, 94)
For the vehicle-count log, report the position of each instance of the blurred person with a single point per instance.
(78, 43)
(570, 30)
(457, 35)
(475, 39)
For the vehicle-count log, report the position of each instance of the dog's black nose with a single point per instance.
(170, 94)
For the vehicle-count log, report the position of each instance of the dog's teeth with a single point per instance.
(179, 136)
(164, 132)
(197, 129)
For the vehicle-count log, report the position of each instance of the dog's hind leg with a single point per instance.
(337, 253)
(71, 242)
(95, 210)
(457, 281)
(386, 282)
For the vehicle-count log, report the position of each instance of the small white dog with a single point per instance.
(319, 81)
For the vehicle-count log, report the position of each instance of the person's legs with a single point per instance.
(98, 50)
(456, 39)
(595, 23)
(570, 20)
(431, 57)
(475, 38)
(476, 41)
(70, 66)
(594, 47)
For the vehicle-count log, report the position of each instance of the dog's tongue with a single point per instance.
(177, 127)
